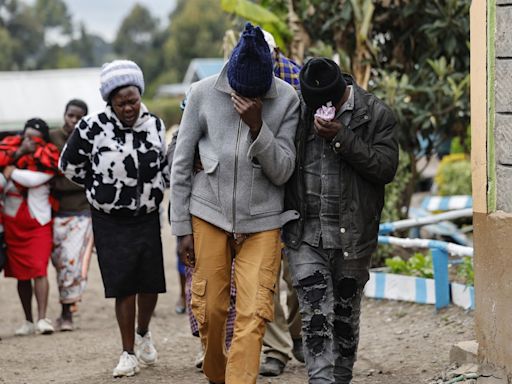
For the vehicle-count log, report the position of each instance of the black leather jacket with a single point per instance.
(368, 155)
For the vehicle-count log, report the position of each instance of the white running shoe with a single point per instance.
(45, 327)
(127, 366)
(145, 349)
(198, 362)
(26, 329)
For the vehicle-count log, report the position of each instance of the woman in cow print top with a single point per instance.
(118, 155)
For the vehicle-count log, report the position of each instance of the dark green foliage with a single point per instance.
(419, 265)
(167, 109)
(196, 29)
(466, 272)
(413, 54)
(24, 41)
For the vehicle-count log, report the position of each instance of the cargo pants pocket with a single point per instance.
(198, 300)
(265, 295)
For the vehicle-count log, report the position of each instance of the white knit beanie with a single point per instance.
(120, 73)
(270, 40)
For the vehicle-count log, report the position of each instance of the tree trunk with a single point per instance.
(301, 40)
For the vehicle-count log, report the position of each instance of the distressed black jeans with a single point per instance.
(329, 290)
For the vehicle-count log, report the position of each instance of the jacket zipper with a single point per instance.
(236, 173)
(138, 177)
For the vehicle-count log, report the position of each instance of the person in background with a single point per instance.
(72, 230)
(181, 304)
(283, 335)
(243, 123)
(119, 156)
(347, 150)
(28, 162)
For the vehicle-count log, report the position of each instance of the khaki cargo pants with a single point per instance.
(257, 260)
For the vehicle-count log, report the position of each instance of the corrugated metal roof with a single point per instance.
(198, 69)
(45, 93)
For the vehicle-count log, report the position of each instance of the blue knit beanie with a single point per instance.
(250, 68)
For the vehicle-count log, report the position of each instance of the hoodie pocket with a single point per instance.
(206, 182)
(266, 198)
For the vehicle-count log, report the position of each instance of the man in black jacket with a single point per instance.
(347, 151)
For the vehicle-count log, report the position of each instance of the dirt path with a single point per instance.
(400, 342)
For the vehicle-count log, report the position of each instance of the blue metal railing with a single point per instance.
(441, 250)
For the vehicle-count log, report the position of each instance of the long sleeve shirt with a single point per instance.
(37, 195)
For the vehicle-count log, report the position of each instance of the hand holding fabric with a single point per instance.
(327, 129)
(326, 112)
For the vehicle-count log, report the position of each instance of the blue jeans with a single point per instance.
(329, 290)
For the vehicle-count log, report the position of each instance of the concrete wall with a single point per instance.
(491, 124)
(493, 289)
(503, 106)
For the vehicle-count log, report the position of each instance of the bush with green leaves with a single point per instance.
(167, 109)
(394, 208)
(466, 272)
(453, 176)
(418, 265)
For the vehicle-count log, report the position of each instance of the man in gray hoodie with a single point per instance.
(243, 122)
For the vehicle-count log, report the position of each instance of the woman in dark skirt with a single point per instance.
(118, 155)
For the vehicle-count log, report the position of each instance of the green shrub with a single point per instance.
(453, 176)
(461, 143)
(394, 199)
(167, 109)
(465, 271)
(419, 265)
(394, 205)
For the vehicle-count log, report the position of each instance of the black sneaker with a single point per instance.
(298, 350)
(272, 367)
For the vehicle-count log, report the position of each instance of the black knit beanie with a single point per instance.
(321, 81)
(39, 125)
(250, 67)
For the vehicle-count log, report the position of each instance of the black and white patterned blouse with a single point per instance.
(123, 169)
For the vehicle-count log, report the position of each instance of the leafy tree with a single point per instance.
(136, 33)
(413, 54)
(196, 29)
(23, 34)
(7, 49)
(83, 47)
(54, 14)
(139, 38)
(269, 19)
(56, 56)
(23, 37)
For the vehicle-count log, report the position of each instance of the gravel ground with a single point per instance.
(400, 342)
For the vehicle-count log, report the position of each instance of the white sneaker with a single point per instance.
(145, 349)
(26, 329)
(45, 327)
(198, 362)
(127, 366)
